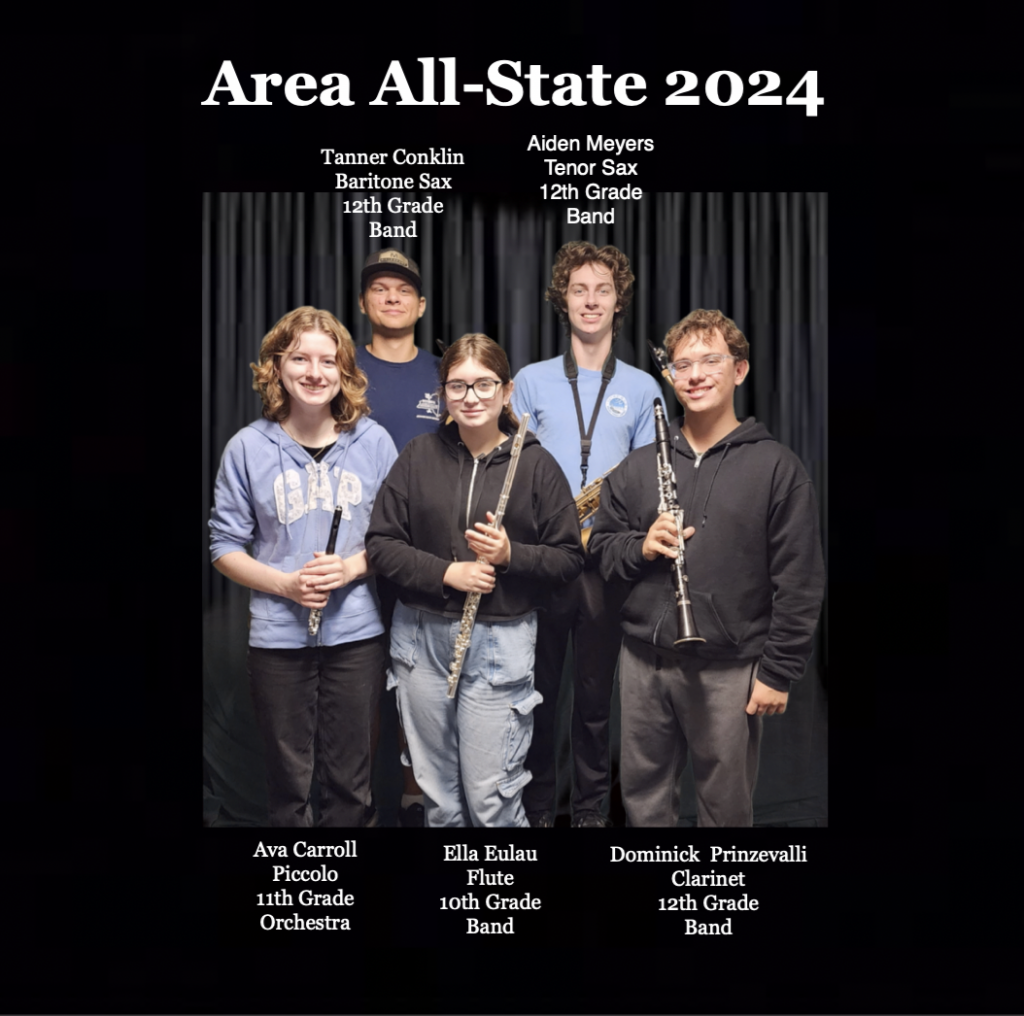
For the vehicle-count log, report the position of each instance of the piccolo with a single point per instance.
(465, 636)
(317, 612)
(669, 502)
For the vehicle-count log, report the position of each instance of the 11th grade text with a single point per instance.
(307, 898)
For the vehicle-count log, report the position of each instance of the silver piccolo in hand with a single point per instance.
(316, 613)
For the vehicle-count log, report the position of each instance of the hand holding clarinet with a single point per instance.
(663, 536)
(667, 530)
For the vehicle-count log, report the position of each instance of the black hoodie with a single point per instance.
(755, 568)
(419, 522)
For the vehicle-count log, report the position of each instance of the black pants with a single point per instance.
(587, 610)
(328, 694)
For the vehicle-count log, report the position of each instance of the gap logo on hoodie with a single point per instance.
(292, 504)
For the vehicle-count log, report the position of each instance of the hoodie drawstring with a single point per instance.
(704, 509)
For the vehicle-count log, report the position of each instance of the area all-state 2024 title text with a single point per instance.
(439, 85)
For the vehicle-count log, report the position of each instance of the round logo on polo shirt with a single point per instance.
(617, 405)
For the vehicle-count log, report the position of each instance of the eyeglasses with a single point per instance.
(713, 363)
(483, 388)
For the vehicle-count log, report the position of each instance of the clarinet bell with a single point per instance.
(687, 628)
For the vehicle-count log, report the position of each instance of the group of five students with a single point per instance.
(420, 517)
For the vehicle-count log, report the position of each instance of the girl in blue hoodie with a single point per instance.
(280, 480)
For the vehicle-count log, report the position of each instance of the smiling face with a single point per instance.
(309, 372)
(473, 413)
(591, 303)
(703, 390)
(392, 304)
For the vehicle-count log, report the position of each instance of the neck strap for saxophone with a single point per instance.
(572, 373)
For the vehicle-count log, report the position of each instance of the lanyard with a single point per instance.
(572, 373)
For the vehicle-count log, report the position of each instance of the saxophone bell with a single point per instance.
(588, 500)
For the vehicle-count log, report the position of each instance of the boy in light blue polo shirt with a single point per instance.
(590, 411)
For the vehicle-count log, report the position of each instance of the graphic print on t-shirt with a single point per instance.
(432, 406)
(617, 405)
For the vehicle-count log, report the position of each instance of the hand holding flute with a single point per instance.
(316, 613)
(491, 536)
(491, 547)
(490, 544)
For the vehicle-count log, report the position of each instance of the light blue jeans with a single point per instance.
(467, 753)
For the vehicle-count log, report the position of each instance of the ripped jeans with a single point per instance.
(467, 753)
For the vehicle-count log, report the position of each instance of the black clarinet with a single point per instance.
(669, 502)
(316, 613)
(661, 360)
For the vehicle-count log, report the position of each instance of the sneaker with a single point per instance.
(541, 820)
(590, 820)
(411, 817)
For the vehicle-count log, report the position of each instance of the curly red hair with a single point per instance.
(348, 405)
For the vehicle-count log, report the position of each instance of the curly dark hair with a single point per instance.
(578, 253)
(477, 346)
(348, 405)
(702, 322)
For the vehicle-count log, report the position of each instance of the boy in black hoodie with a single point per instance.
(756, 580)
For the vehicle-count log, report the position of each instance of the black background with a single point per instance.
(910, 900)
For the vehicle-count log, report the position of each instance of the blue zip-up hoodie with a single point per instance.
(271, 496)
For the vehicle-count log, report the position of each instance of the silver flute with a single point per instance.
(465, 635)
(316, 613)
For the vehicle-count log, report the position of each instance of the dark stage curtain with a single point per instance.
(486, 262)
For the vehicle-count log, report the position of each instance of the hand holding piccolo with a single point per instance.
(316, 613)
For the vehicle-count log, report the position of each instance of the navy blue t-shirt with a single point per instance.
(403, 396)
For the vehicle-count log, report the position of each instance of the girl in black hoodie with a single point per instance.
(431, 534)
